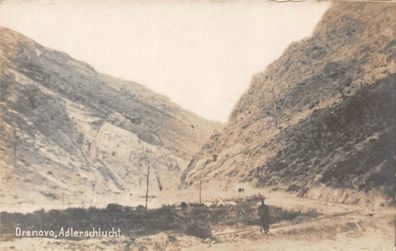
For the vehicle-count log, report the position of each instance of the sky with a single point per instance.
(200, 54)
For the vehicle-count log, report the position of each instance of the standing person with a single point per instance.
(263, 212)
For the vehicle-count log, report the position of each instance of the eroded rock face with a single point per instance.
(321, 114)
(66, 127)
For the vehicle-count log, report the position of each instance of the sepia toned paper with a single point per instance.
(197, 125)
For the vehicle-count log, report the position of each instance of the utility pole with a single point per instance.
(147, 185)
(226, 187)
(92, 193)
(15, 142)
(394, 190)
(200, 189)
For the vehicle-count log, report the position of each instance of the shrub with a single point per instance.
(198, 230)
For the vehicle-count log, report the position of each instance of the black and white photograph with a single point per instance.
(245, 125)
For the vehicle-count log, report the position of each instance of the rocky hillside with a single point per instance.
(66, 128)
(322, 115)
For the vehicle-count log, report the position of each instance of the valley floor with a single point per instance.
(340, 227)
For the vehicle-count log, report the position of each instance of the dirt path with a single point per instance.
(280, 199)
(350, 231)
(284, 226)
(340, 227)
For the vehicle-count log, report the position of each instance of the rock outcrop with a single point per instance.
(322, 115)
(67, 129)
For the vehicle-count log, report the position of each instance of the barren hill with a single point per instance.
(66, 128)
(321, 117)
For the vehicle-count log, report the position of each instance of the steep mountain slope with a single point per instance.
(66, 127)
(322, 115)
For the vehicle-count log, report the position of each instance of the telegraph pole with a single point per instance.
(92, 193)
(394, 198)
(15, 142)
(147, 185)
(200, 189)
(226, 187)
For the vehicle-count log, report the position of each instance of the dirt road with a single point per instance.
(340, 227)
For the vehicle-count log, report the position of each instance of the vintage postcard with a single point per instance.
(197, 125)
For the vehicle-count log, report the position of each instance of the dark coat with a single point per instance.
(263, 212)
